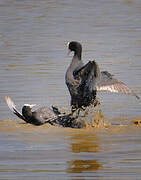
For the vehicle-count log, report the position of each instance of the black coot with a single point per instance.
(83, 81)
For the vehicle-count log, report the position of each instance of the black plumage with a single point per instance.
(83, 81)
(45, 115)
(40, 116)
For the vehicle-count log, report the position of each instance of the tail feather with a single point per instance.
(12, 107)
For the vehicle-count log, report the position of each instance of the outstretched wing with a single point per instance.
(108, 83)
(12, 107)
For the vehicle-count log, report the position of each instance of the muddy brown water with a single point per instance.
(33, 61)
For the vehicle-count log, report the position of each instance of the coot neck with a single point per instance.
(77, 53)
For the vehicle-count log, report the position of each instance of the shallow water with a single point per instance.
(33, 61)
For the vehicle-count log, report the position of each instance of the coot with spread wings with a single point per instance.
(83, 81)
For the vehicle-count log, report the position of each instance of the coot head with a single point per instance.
(75, 47)
(26, 110)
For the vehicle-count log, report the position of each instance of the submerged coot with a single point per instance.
(45, 115)
(40, 116)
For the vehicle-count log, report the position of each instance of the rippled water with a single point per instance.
(33, 61)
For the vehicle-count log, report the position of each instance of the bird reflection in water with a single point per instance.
(79, 166)
(83, 142)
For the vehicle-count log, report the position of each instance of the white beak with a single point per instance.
(30, 105)
(68, 44)
(69, 51)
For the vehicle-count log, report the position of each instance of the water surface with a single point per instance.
(33, 61)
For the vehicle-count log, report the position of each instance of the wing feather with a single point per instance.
(108, 83)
